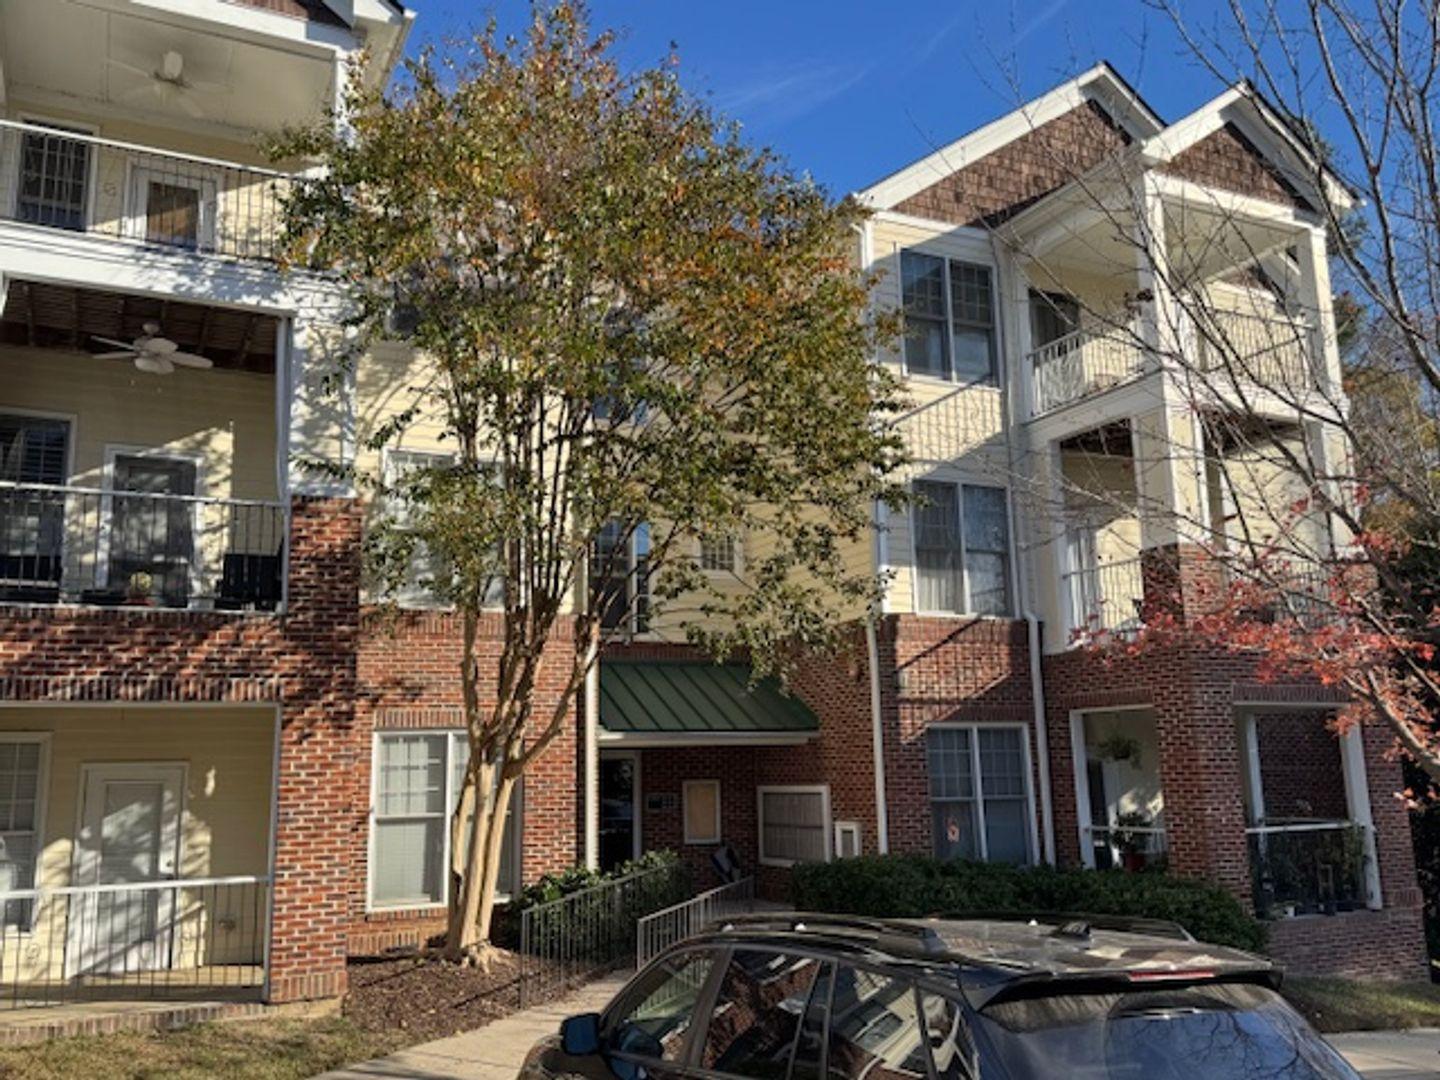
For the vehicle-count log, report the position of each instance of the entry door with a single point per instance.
(129, 833)
(153, 535)
(619, 809)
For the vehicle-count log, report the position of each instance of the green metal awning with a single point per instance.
(671, 701)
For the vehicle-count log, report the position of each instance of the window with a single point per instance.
(718, 554)
(757, 1014)
(874, 1028)
(1052, 317)
(847, 839)
(620, 578)
(962, 548)
(418, 777)
(794, 825)
(979, 793)
(54, 179)
(33, 450)
(655, 1018)
(702, 811)
(22, 774)
(949, 318)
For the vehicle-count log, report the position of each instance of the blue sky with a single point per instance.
(853, 90)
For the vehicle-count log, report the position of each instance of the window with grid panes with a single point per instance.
(418, 779)
(962, 548)
(949, 318)
(54, 179)
(979, 793)
(717, 553)
(794, 826)
(21, 767)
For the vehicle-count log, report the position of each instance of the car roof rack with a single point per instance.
(904, 938)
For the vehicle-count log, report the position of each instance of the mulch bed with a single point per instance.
(429, 999)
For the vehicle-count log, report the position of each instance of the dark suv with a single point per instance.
(823, 997)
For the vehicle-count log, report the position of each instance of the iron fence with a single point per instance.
(659, 930)
(66, 179)
(564, 942)
(105, 547)
(201, 938)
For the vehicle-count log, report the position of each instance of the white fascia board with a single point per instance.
(1099, 82)
(258, 22)
(657, 739)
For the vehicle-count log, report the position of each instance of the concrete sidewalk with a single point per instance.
(1391, 1055)
(493, 1052)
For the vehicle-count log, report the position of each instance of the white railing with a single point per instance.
(657, 932)
(1084, 363)
(104, 547)
(82, 183)
(1261, 350)
(1106, 598)
(1128, 847)
(174, 939)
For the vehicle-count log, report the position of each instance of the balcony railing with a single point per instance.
(1258, 350)
(105, 547)
(201, 938)
(1306, 867)
(1128, 847)
(1084, 363)
(1106, 598)
(68, 180)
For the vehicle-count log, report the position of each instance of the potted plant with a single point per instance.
(1118, 747)
(1130, 840)
(137, 589)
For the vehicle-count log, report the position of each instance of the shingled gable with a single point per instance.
(1005, 166)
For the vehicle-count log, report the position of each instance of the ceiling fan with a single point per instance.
(166, 83)
(152, 353)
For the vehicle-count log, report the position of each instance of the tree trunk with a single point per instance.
(494, 849)
(467, 904)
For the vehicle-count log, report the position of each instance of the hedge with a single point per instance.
(912, 885)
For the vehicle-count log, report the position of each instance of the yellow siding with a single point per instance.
(225, 814)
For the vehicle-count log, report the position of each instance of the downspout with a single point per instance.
(872, 643)
(1027, 612)
(592, 761)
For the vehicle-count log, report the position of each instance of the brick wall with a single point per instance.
(408, 676)
(303, 660)
(1301, 773)
(1227, 159)
(1003, 183)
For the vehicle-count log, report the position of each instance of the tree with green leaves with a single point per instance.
(640, 332)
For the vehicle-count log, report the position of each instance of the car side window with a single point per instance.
(658, 1011)
(951, 1050)
(757, 1013)
(875, 1029)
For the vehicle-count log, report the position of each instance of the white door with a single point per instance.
(129, 834)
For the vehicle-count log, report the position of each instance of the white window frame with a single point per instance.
(851, 829)
(15, 160)
(982, 845)
(736, 555)
(685, 788)
(631, 627)
(827, 827)
(997, 373)
(42, 805)
(452, 735)
(961, 483)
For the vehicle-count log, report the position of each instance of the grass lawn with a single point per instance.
(264, 1049)
(1348, 1005)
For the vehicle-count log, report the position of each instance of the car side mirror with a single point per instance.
(580, 1035)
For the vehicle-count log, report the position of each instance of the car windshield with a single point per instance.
(1242, 1032)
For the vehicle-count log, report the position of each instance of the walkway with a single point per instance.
(493, 1052)
(1392, 1055)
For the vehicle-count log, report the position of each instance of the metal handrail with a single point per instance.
(134, 886)
(1304, 826)
(208, 500)
(137, 148)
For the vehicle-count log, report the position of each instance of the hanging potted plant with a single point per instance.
(1118, 747)
(137, 589)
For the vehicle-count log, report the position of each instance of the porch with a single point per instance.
(134, 854)
(124, 484)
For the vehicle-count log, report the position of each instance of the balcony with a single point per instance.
(1105, 599)
(104, 547)
(1084, 363)
(1307, 867)
(68, 180)
(1249, 349)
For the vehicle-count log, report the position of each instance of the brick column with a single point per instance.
(312, 841)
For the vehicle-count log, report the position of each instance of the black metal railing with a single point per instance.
(112, 548)
(567, 941)
(197, 939)
(1303, 868)
(74, 181)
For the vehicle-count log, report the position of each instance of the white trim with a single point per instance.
(1080, 772)
(961, 480)
(978, 799)
(137, 205)
(640, 740)
(42, 808)
(685, 786)
(1357, 799)
(1098, 83)
(850, 828)
(827, 826)
(88, 135)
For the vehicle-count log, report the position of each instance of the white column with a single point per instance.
(322, 409)
(1081, 768)
(1357, 800)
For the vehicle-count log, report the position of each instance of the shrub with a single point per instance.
(913, 885)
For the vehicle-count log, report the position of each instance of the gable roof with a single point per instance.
(1101, 85)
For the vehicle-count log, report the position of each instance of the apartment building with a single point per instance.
(219, 775)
